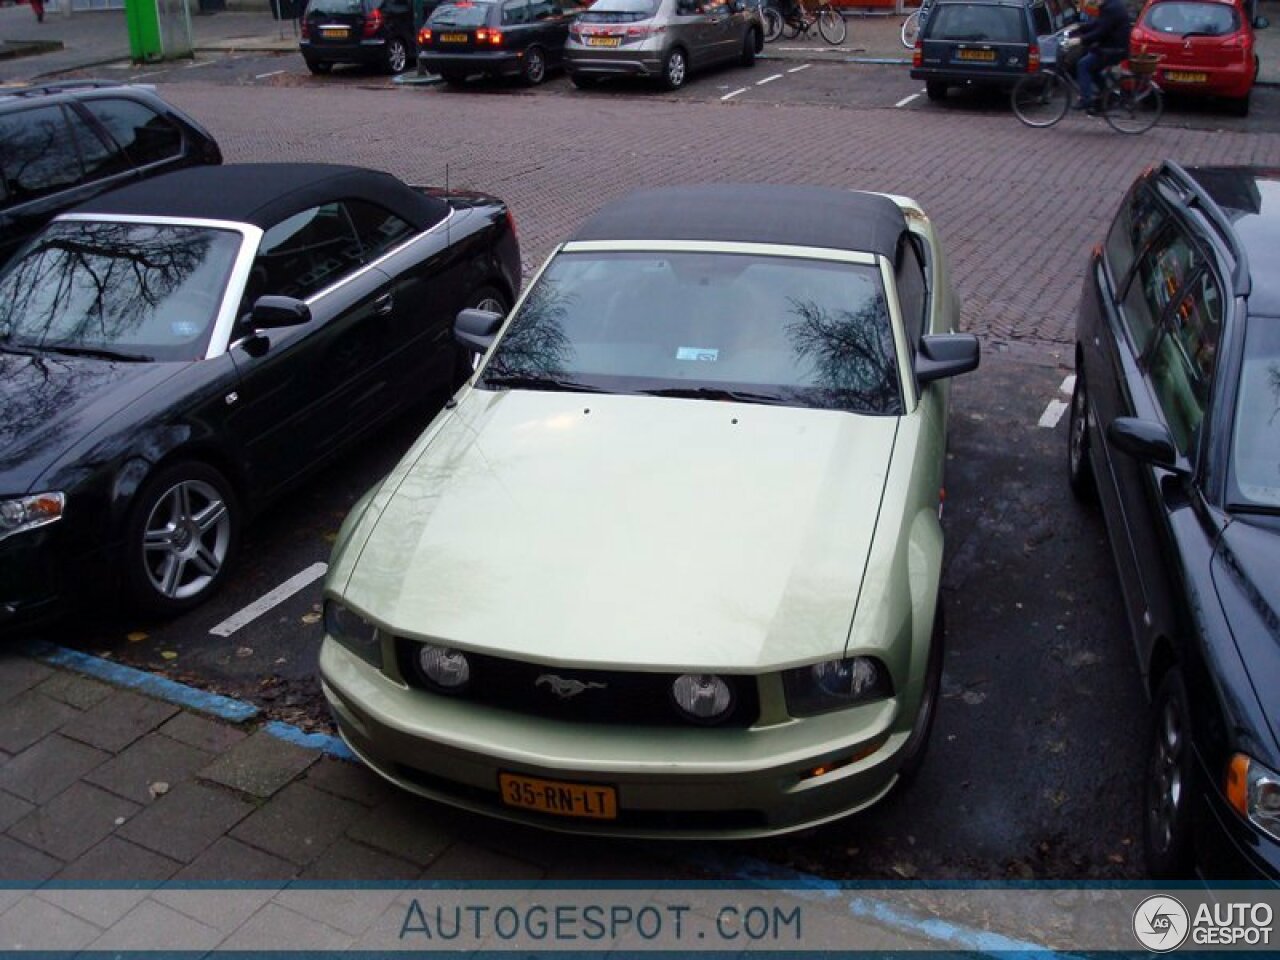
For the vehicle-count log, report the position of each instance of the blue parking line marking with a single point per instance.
(333, 746)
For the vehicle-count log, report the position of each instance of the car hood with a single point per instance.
(644, 532)
(1245, 565)
(48, 402)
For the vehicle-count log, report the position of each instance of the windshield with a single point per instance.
(976, 23)
(1255, 447)
(620, 11)
(461, 15)
(139, 290)
(1202, 19)
(721, 326)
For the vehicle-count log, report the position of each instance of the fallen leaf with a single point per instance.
(158, 789)
(243, 652)
(973, 697)
(905, 870)
(169, 654)
(311, 618)
(136, 636)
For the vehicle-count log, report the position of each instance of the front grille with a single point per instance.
(639, 699)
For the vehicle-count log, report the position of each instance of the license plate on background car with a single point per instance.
(986, 56)
(1181, 76)
(333, 31)
(453, 38)
(563, 799)
(603, 41)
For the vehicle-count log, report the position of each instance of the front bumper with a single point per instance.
(1229, 848)
(670, 782)
(368, 52)
(37, 569)
(491, 63)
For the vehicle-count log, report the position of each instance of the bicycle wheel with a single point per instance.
(911, 30)
(1041, 99)
(772, 24)
(1134, 105)
(790, 28)
(831, 25)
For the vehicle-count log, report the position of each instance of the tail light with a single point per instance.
(646, 30)
(424, 37)
(489, 35)
(373, 23)
(305, 28)
(917, 55)
(511, 222)
(1033, 59)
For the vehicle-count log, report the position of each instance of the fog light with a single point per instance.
(447, 668)
(702, 696)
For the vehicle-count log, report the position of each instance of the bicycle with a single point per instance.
(1129, 100)
(910, 32)
(827, 18)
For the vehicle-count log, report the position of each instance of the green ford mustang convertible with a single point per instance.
(668, 564)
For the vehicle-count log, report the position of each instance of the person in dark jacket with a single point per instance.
(1106, 42)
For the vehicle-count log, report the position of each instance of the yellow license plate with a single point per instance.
(333, 32)
(563, 799)
(1181, 76)
(603, 41)
(453, 38)
(986, 56)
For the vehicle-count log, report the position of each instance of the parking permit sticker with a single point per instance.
(184, 328)
(697, 353)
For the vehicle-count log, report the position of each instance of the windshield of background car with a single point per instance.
(977, 23)
(141, 290)
(769, 329)
(1202, 19)
(1255, 448)
(461, 14)
(620, 11)
(330, 7)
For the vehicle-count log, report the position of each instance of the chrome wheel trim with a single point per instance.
(185, 539)
(675, 69)
(535, 66)
(397, 57)
(1079, 430)
(491, 304)
(1166, 777)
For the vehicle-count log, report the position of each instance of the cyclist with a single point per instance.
(1106, 42)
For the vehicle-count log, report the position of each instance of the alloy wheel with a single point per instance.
(535, 67)
(186, 538)
(1166, 792)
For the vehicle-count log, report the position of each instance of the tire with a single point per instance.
(675, 70)
(1079, 463)
(772, 24)
(1040, 99)
(748, 56)
(910, 30)
(1169, 782)
(183, 532)
(913, 751)
(320, 67)
(397, 57)
(935, 90)
(485, 298)
(535, 67)
(832, 26)
(452, 78)
(1240, 107)
(790, 29)
(1127, 111)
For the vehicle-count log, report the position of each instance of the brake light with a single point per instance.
(372, 23)
(646, 30)
(306, 29)
(511, 221)
(424, 37)
(1033, 59)
(917, 55)
(489, 36)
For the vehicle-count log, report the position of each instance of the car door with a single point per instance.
(723, 41)
(518, 33)
(152, 143)
(306, 389)
(688, 28)
(550, 29)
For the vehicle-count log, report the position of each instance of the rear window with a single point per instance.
(335, 7)
(620, 11)
(977, 23)
(461, 15)
(1198, 19)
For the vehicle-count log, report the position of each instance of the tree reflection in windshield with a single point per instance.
(142, 288)
(537, 344)
(852, 353)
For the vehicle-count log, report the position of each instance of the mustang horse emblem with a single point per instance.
(564, 689)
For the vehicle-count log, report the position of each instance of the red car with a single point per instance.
(1206, 47)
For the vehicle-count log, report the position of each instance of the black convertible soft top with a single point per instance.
(263, 194)
(754, 213)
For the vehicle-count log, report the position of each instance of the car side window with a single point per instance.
(1157, 280)
(542, 10)
(37, 153)
(100, 159)
(378, 228)
(1040, 20)
(1183, 360)
(145, 136)
(304, 254)
(1139, 219)
(909, 279)
(515, 12)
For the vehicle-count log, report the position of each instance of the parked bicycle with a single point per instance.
(1129, 99)
(825, 17)
(911, 25)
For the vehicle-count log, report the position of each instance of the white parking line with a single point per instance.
(761, 83)
(799, 68)
(273, 73)
(1053, 413)
(734, 93)
(1068, 385)
(905, 100)
(199, 63)
(268, 600)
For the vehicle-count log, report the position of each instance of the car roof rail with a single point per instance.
(62, 86)
(1199, 197)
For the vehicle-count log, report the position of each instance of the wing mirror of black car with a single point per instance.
(475, 329)
(946, 355)
(270, 312)
(1144, 440)
(1261, 23)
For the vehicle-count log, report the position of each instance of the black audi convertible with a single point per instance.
(175, 354)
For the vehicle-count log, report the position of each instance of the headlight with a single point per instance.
(835, 684)
(1254, 790)
(446, 668)
(27, 513)
(702, 697)
(354, 632)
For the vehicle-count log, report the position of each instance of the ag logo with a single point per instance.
(1161, 923)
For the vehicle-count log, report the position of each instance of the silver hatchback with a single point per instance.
(662, 39)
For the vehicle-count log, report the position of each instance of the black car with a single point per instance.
(371, 33)
(987, 43)
(174, 356)
(63, 144)
(1175, 427)
(498, 38)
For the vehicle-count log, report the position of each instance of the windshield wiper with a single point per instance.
(95, 352)
(715, 393)
(528, 382)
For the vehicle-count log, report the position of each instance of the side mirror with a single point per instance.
(685, 8)
(946, 355)
(1261, 23)
(1143, 440)
(270, 312)
(475, 329)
